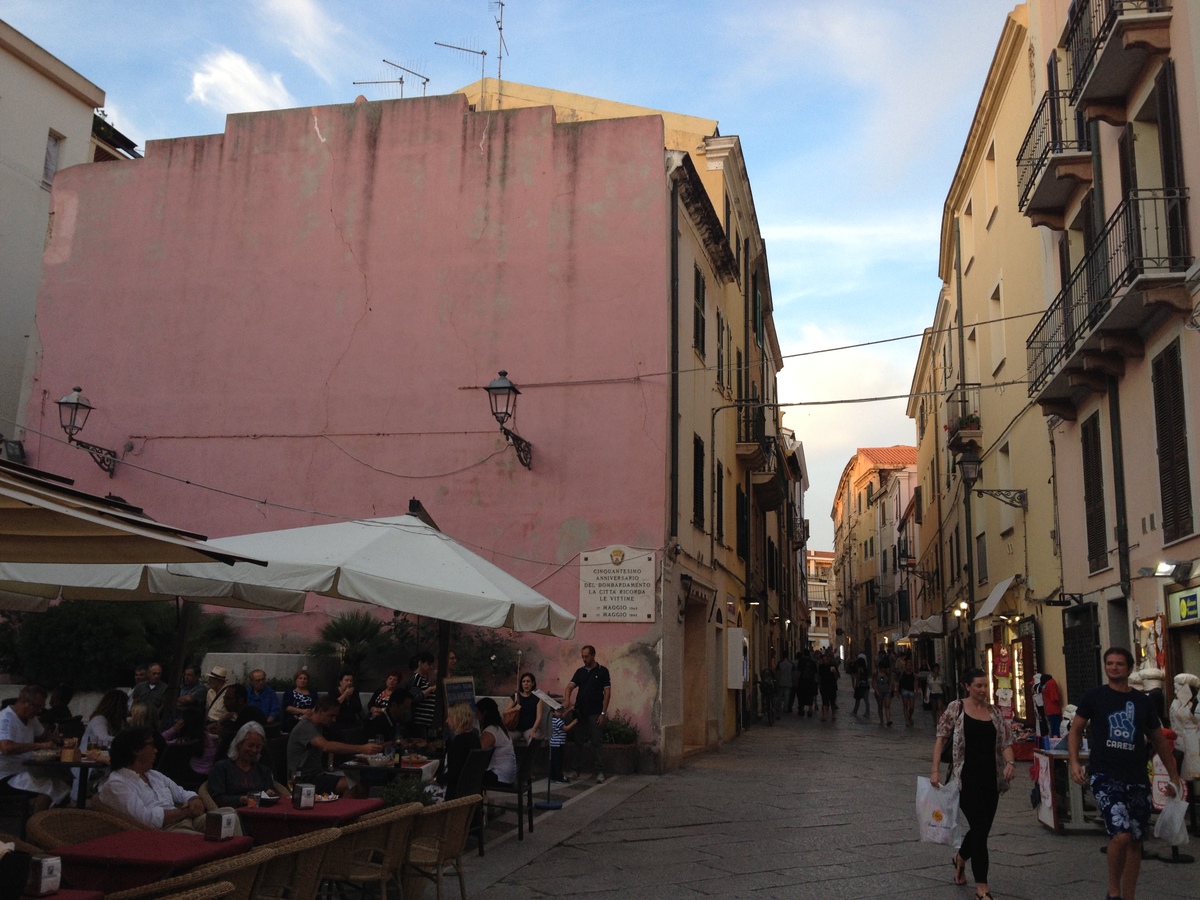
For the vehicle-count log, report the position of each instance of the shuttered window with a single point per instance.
(698, 312)
(719, 525)
(1093, 494)
(697, 481)
(1171, 431)
(743, 524)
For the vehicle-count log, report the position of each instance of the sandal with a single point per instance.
(960, 868)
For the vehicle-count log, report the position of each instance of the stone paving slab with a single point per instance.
(799, 810)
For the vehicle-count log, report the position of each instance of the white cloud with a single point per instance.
(831, 433)
(228, 82)
(310, 35)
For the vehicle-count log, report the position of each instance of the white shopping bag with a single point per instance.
(1170, 826)
(937, 811)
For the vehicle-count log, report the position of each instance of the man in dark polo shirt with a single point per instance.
(591, 705)
(307, 746)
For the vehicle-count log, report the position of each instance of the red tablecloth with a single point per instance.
(117, 862)
(273, 823)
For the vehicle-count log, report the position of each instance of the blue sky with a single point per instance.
(852, 117)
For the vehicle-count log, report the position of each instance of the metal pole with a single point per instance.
(962, 394)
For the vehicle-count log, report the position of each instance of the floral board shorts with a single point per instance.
(1125, 807)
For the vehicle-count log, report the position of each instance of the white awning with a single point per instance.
(994, 598)
(929, 625)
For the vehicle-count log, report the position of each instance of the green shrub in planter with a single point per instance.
(618, 729)
(406, 789)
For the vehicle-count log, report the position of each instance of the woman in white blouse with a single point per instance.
(492, 734)
(135, 789)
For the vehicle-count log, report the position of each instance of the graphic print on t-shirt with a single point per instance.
(1120, 728)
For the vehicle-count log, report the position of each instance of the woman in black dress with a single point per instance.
(983, 764)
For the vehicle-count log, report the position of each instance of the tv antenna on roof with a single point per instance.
(482, 54)
(424, 79)
(498, 6)
(399, 79)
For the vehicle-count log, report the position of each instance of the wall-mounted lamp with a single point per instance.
(970, 467)
(958, 614)
(73, 412)
(1179, 571)
(502, 394)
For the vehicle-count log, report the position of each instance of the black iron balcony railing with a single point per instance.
(962, 413)
(1091, 26)
(1056, 129)
(1147, 234)
(752, 425)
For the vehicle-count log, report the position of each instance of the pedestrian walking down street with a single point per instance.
(827, 678)
(862, 685)
(784, 680)
(806, 682)
(982, 761)
(882, 684)
(1121, 723)
(907, 683)
(937, 693)
(592, 682)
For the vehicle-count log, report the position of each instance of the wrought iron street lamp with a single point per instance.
(502, 394)
(73, 410)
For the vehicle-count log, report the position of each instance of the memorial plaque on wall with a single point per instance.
(616, 584)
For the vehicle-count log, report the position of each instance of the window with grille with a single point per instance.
(1093, 494)
(1170, 421)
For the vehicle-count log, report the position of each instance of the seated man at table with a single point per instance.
(239, 712)
(307, 746)
(263, 698)
(20, 734)
(136, 790)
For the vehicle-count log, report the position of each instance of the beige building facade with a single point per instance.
(1111, 159)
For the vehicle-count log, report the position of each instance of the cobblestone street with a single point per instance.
(801, 809)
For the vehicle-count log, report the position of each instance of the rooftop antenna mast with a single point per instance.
(424, 79)
(399, 81)
(498, 6)
(482, 54)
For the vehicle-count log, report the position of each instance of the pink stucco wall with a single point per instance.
(304, 308)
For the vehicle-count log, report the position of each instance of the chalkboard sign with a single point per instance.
(460, 690)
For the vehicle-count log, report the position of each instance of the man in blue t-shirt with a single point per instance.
(1119, 722)
(594, 688)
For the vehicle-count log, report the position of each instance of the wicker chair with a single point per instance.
(438, 840)
(18, 844)
(54, 828)
(373, 849)
(208, 892)
(294, 870)
(522, 787)
(239, 871)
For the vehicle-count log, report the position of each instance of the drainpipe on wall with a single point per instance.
(674, 300)
(1118, 455)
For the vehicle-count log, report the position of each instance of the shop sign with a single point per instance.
(1183, 607)
(616, 584)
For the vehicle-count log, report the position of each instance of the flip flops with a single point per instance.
(960, 868)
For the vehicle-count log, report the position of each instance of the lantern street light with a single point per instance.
(73, 410)
(502, 394)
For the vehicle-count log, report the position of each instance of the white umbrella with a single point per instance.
(29, 585)
(399, 563)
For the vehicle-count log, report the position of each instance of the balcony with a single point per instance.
(1108, 43)
(752, 437)
(767, 481)
(1054, 160)
(1133, 273)
(963, 422)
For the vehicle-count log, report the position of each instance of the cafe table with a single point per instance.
(129, 859)
(282, 820)
(85, 765)
(373, 776)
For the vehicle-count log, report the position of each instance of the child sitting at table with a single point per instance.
(562, 720)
